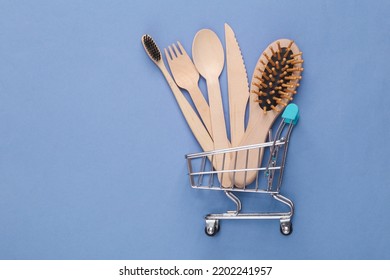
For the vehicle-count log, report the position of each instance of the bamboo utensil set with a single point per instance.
(273, 85)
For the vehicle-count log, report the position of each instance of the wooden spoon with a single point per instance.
(209, 58)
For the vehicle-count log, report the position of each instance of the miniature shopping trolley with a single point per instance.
(268, 181)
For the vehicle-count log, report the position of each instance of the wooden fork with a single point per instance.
(186, 76)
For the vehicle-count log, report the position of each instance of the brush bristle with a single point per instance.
(151, 48)
(276, 84)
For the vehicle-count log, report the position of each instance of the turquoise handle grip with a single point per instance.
(291, 114)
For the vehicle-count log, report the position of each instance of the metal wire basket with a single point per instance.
(268, 181)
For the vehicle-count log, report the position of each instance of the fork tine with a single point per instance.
(183, 51)
(173, 55)
(176, 50)
(167, 55)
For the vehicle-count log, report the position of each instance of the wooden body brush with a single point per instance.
(273, 85)
(196, 125)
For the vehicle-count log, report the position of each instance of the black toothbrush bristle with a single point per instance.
(151, 47)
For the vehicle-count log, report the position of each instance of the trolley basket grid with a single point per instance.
(268, 181)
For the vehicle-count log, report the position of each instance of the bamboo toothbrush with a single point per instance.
(197, 127)
(273, 86)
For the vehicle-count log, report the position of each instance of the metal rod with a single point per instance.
(235, 170)
(202, 168)
(236, 149)
(250, 216)
(236, 201)
(290, 127)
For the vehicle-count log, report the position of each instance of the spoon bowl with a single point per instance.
(208, 54)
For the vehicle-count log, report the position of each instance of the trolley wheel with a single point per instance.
(286, 228)
(212, 227)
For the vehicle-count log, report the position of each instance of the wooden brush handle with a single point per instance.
(247, 159)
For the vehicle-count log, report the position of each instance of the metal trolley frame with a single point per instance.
(268, 180)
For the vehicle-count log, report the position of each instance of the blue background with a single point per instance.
(92, 142)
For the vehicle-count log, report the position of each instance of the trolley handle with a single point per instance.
(291, 114)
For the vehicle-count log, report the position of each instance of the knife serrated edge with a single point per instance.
(238, 86)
